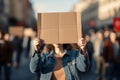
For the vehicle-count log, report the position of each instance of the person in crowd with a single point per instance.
(6, 52)
(98, 47)
(26, 46)
(90, 74)
(17, 44)
(117, 60)
(93, 35)
(33, 36)
(89, 47)
(106, 34)
(59, 63)
(110, 53)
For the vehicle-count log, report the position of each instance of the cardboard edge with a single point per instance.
(79, 25)
(39, 25)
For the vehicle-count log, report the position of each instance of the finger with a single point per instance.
(36, 39)
(36, 43)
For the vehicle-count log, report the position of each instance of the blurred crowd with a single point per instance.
(11, 50)
(102, 46)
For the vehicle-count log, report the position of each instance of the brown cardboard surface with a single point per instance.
(68, 18)
(50, 35)
(49, 19)
(63, 27)
(16, 31)
(68, 34)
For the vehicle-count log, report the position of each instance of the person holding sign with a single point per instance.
(59, 64)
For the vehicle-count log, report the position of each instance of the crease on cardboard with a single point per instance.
(58, 27)
(67, 24)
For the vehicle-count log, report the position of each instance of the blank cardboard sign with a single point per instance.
(16, 31)
(61, 27)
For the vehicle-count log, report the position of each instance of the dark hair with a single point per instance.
(75, 46)
(67, 46)
(50, 47)
(112, 31)
(2, 34)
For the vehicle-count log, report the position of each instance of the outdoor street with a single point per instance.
(23, 73)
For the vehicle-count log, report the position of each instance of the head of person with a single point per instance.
(87, 37)
(7, 37)
(113, 36)
(52, 47)
(99, 35)
(106, 32)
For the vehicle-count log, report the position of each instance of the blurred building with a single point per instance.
(17, 12)
(22, 11)
(89, 13)
(108, 9)
(30, 20)
(16, 9)
(97, 13)
(82, 5)
(3, 15)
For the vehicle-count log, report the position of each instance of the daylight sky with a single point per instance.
(52, 5)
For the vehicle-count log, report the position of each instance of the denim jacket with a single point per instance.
(73, 62)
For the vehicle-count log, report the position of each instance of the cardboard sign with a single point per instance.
(59, 27)
(16, 31)
(116, 24)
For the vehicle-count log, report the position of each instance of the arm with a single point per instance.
(82, 59)
(37, 58)
(35, 63)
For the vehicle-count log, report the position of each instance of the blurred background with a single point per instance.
(100, 24)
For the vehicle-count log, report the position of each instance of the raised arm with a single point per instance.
(82, 59)
(36, 60)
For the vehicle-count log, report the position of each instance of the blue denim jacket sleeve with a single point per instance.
(82, 62)
(35, 63)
